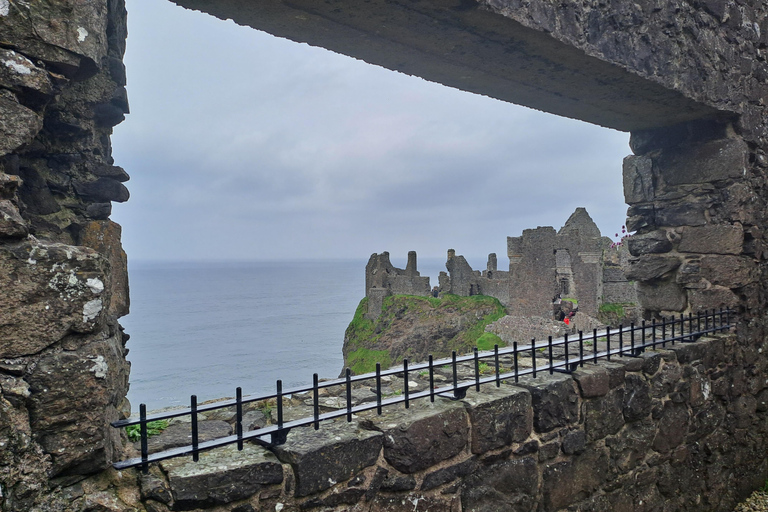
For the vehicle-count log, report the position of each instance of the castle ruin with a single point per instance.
(575, 263)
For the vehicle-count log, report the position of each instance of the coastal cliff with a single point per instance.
(414, 327)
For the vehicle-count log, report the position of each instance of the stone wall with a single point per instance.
(63, 281)
(682, 428)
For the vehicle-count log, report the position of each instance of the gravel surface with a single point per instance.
(758, 502)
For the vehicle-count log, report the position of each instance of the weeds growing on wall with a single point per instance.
(153, 429)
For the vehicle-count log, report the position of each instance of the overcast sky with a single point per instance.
(241, 145)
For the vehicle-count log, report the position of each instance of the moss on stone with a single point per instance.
(414, 326)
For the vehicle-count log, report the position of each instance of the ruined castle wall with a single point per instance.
(382, 279)
(533, 272)
(63, 280)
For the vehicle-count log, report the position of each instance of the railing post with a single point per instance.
(316, 401)
(143, 434)
(672, 326)
(193, 416)
(632, 338)
(378, 389)
(581, 349)
(477, 370)
(514, 358)
(279, 403)
(621, 340)
(239, 417)
(348, 374)
(551, 360)
(594, 346)
(663, 332)
(533, 356)
(455, 375)
(406, 393)
(608, 342)
(565, 342)
(496, 363)
(431, 379)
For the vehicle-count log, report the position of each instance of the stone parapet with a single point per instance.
(601, 438)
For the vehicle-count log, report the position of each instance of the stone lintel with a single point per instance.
(474, 47)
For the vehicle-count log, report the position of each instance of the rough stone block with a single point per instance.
(637, 398)
(334, 453)
(93, 374)
(664, 381)
(687, 213)
(712, 239)
(49, 290)
(449, 474)
(661, 296)
(18, 124)
(19, 74)
(574, 441)
(11, 223)
(673, 427)
(555, 401)
(510, 485)
(422, 436)
(104, 237)
(712, 298)
(499, 417)
(616, 370)
(655, 242)
(651, 266)
(102, 189)
(593, 381)
(221, 476)
(703, 163)
(638, 179)
(603, 415)
(728, 271)
(563, 481)
(630, 446)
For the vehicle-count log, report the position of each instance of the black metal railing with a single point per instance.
(564, 354)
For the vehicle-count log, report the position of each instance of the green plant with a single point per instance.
(483, 368)
(266, 409)
(153, 429)
(487, 340)
(364, 360)
(611, 307)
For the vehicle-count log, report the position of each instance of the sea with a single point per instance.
(206, 328)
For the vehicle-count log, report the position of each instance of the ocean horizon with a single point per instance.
(208, 327)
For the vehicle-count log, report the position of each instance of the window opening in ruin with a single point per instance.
(243, 146)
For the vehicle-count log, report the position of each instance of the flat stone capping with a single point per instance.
(499, 417)
(334, 453)
(555, 400)
(423, 435)
(221, 476)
